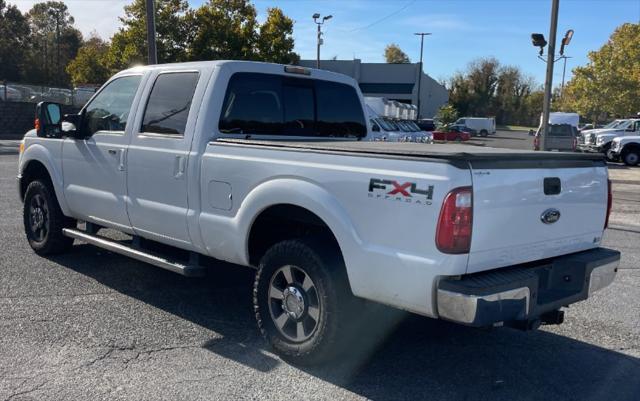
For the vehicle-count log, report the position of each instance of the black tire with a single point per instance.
(606, 148)
(484, 133)
(631, 157)
(323, 338)
(611, 157)
(44, 221)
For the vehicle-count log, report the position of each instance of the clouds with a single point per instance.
(100, 16)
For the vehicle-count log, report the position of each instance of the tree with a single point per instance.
(394, 55)
(14, 31)
(447, 114)
(610, 82)
(275, 41)
(129, 44)
(90, 65)
(54, 42)
(225, 29)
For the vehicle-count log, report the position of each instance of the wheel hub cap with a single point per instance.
(37, 217)
(293, 302)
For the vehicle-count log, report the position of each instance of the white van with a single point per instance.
(482, 126)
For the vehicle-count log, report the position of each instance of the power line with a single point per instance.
(385, 17)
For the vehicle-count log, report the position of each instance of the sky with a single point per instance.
(462, 30)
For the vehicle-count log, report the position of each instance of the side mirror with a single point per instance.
(48, 119)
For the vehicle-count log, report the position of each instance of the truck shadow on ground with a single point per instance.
(406, 357)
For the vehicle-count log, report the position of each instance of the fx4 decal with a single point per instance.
(403, 192)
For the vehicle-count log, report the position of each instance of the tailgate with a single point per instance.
(527, 213)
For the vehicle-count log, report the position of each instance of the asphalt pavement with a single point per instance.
(94, 325)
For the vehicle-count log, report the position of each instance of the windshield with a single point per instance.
(384, 124)
(624, 124)
(413, 126)
(613, 124)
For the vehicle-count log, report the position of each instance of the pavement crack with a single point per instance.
(25, 392)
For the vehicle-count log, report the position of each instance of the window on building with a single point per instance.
(169, 103)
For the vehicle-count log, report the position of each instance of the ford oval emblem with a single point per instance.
(550, 216)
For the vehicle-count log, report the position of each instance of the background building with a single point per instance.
(392, 81)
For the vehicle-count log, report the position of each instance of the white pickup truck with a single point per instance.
(261, 165)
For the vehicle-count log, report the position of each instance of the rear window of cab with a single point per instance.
(269, 104)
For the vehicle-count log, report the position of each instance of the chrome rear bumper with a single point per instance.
(524, 293)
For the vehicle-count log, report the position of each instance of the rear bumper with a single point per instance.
(525, 292)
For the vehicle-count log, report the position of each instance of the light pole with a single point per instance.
(546, 107)
(564, 70)
(151, 33)
(316, 16)
(422, 35)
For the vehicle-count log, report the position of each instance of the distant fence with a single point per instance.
(18, 92)
(16, 118)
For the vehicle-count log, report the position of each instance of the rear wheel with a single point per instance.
(484, 133)
(631, 157)
(44, 221)
(302, 300)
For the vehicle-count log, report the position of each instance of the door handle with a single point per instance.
(122, 160)
(178, 170)
(112, 151)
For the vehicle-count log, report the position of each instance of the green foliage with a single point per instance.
(447, 114)
(90, 65)
(14, 31)
(394, 55)
(488, 89)
(129, 44)
(52, 44)
(609, 85)
(275, 42)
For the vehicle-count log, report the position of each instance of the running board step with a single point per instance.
(113, 246)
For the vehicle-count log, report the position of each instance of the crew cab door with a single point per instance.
(157, 178)
(94, 169)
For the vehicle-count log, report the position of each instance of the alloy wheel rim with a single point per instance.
(294, 304)
(38, 217)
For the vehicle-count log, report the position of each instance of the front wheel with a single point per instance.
(44, 220)
(631, 157)
(302, 300)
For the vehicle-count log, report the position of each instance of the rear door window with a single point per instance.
(169, 103)
(339, 110)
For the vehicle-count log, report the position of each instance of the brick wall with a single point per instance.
(16, 118)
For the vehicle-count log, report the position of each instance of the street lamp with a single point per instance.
(422, 35)
(316, 17)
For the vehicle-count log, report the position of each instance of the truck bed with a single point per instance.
(460, 155)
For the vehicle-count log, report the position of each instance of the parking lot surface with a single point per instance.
(94, 325)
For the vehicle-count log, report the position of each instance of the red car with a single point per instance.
(451, 134)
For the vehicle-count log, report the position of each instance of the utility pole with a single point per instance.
(422, 35)
(315, 17)
(151, 33)
(546, 107)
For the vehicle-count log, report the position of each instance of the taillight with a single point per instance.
(609, 203)
(453, 234)
(36, 124)
(536, 143)
(574, 145)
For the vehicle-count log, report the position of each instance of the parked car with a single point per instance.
(483, 126)
(625, 149)
(563, 132)
(426, 124)
(453, 133)
(10, 94)
(81, 95)
(262, 165)
(413, 133)
(600, 140)
(561, 137)
(384, 130)
(58, 95)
